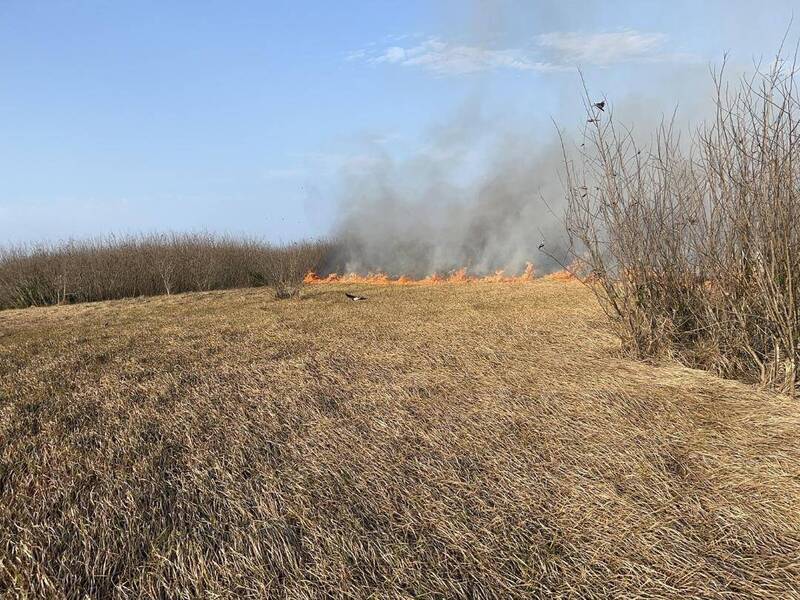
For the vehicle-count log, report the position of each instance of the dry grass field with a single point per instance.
(444, 441)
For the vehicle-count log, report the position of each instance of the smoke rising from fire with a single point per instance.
(424, 214)
(483, 191)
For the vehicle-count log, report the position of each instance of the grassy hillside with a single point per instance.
(473, 441)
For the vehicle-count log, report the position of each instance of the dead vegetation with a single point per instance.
(148, 265)
(697, 251)
(286, 267)
(449, 441)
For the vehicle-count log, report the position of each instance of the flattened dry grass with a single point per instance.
(472, 441)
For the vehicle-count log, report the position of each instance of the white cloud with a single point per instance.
(602, 49)
(441, 57)
(552, 51)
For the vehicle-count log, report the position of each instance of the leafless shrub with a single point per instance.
(286, 266)
(119, 267)
(696, 252)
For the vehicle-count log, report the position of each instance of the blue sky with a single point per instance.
(242, 117)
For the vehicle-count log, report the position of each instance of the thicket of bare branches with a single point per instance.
(697, 252)
(285, 267)
(120, 267)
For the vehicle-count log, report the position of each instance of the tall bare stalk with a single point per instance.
(697, 253)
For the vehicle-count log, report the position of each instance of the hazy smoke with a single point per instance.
(475, 195)
(425, 214)
(485, 192)
(482, 193)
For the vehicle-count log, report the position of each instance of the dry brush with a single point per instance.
(146, 265)
(697, 251)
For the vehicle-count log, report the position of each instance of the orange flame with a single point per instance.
(458, 276)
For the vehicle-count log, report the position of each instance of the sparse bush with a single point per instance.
(120, 267)
(697, 252)
(285, 267)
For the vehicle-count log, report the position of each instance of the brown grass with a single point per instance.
(447, 441)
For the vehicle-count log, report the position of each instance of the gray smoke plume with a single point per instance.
(414, 217)
(485, 192)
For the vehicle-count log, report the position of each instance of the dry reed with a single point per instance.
(696, 252)
(442, 441)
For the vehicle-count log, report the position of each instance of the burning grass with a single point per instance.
(457, 276)
(459, 441)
